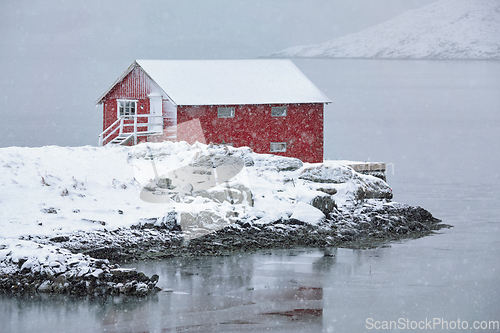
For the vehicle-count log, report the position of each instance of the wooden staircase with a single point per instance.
(121, 140)
(125, 137)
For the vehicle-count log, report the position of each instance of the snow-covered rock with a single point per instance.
(446, 29)
(27, 267)
(324, 173)
(237, 193)
(200, 223)
(307, 213)
(370, 187)
(324, 202)
(346, 184)
(279, 163)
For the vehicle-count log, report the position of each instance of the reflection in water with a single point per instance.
(324, 264)
(49, 313)
(250, 291)
(257, 291)
(292, 291)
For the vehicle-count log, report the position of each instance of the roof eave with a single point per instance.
(260, 103)
(129, 69)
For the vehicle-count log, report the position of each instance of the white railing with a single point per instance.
(124, 122)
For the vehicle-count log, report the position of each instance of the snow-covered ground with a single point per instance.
(52, 190)
(446, 29)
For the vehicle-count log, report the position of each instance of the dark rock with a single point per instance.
(148, 223)
(330, 191)
(50, 210)
(101, 263)
(124, 272)
(324, 203)
(378, 174)
(141, 277)
(95, 221)
(112, 253)
(376, 189)
(21, 262)
(248, 161)
(59, 239)
(167, 222)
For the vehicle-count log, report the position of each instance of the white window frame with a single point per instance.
(118, 106)
(278, 111)
(278, 147)
(225, 109)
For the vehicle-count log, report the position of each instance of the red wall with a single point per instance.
(136, 86)
(253, 126)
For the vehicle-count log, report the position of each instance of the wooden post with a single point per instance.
(121, 127)
(135, 129)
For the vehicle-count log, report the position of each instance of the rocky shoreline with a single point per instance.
(81, 224)
(373, 222)
(81, 263)
(71, 274)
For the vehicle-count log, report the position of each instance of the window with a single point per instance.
(278, 111)
(225, 112)
(126, 108)
(278, 147)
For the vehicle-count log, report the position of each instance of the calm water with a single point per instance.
(437, 124)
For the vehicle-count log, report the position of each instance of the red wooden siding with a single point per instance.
(135, 86)
(253, 126)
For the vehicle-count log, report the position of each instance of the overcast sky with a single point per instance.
(59, 56)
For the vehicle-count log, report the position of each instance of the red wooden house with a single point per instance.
(268, 105)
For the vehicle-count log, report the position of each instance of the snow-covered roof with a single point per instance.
(231, 82)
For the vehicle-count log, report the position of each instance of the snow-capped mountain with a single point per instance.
(446, 29)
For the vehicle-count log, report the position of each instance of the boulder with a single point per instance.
(236, 193)
(198, 224)
(327, 190)
(336, 174)
(124, 272)
(308, 214)
(324, 203)
(208, 161)
(50, 210)
(279, 163)
(370, 187)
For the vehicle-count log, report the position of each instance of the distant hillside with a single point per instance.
(446, 29)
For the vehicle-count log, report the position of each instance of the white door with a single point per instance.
(156, 121)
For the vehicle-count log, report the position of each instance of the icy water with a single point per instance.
(437, 124)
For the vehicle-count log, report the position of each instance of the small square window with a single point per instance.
(278, 111)
(126, 108)
(278, 147)
(225, 112)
